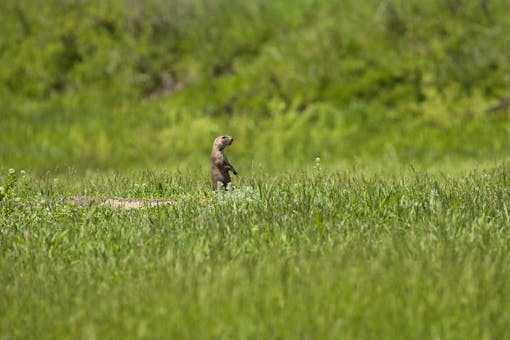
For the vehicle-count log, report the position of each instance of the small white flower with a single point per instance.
(22, 172)
(317, 160)
(11, 171)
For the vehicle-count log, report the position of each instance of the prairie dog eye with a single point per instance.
(224, 137)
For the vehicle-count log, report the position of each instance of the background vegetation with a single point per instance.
(125, 84)
(123, 98)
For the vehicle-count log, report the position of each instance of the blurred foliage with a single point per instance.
(120, 83)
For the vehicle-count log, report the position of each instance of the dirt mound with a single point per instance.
(123, 203)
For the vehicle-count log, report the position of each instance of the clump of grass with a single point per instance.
(7, 188)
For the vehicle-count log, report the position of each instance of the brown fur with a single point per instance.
(220, 165)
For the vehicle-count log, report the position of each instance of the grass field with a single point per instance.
(312, 255)
(400, 230)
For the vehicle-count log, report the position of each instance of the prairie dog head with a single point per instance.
(221, 142)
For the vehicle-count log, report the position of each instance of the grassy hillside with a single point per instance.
(124, 84)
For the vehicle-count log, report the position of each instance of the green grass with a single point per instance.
(158, 137)
(123, 99)
(316, 254)
(110, 86)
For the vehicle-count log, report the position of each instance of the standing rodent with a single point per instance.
(220, 165)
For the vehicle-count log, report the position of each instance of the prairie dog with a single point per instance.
(220, 165)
